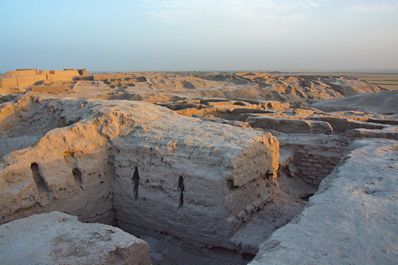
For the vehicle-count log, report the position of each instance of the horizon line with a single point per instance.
(392, 71)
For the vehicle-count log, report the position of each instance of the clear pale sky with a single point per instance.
(128, 35)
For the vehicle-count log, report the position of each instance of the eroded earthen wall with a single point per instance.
(193, 192)
(155, 169)
(56, 169)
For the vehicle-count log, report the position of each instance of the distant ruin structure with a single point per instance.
(26, 77)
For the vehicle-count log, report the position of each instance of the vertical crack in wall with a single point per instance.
(136, 182)
(181, 188)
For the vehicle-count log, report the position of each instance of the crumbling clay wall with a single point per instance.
(193, 183)
(58, 169)
(141, 165)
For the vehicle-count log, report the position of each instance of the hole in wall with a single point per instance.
(77, 175)
(181, 188)
(231, 185)
(136, 182)
(38, 178)
(269, 174)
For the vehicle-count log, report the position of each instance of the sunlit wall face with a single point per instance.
(122, 35)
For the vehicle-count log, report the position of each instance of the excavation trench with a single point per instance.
(180, 229)
(301, 169)
(195, 202)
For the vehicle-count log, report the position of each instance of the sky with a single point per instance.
(186, 35)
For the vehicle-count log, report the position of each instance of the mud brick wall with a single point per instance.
(25, 81)
(20, 81)
(25, 78)
(8, 82)
(314, 163)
